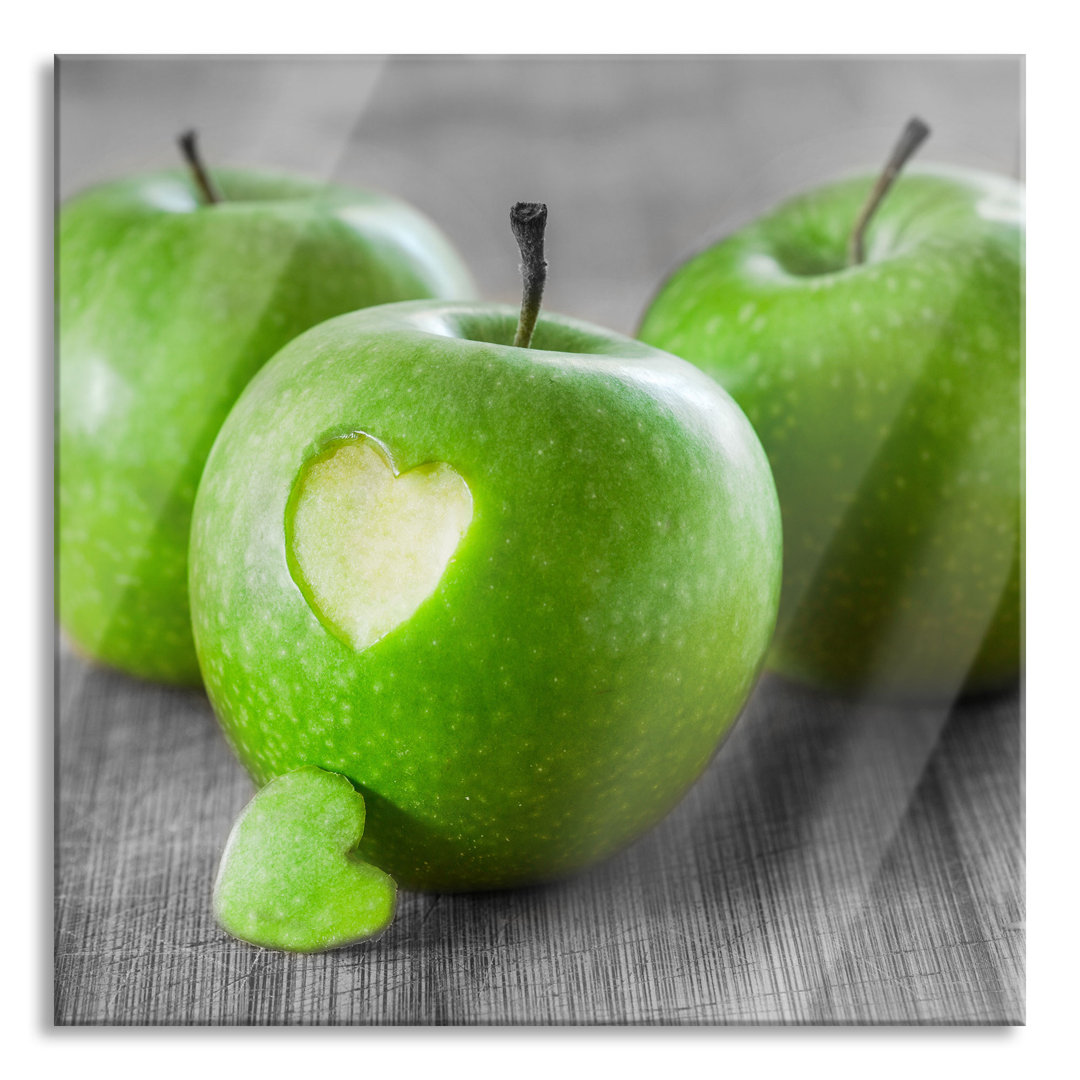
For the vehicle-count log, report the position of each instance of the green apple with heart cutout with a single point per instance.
(172, 291)
(513, 575)
(289, 878)
(876, 344)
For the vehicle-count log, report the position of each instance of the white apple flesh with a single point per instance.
(370, 545)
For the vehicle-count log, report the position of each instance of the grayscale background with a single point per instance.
(837, 863)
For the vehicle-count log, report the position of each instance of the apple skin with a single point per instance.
(591, 641)
(287, 879)
(166, 309)
(888, 397)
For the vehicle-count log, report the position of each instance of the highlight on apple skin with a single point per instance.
(167, 305)
(581, 624)
(888, 396)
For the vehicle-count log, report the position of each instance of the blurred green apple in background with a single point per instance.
(517, 595)
(168, 303)
(878, 352)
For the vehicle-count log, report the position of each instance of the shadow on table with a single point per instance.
(817, 872)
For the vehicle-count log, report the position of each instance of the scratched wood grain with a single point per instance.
(837, 863)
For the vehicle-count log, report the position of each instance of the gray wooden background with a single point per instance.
(839, 862)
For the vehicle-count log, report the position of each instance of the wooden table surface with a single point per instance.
(839, 862)
(836, 863)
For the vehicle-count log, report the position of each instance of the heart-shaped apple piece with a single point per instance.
(366, 545)
(288, 878)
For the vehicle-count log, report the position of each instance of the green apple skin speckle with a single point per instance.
(288, 878)
(889, 399)
(593, 637)
(166, 308)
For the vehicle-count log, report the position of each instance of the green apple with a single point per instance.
(289, 878)
(167, 305)
(516, 594)
(887, 391)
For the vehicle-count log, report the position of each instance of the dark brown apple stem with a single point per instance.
(528, 220)
(207, 188)
(910, 141)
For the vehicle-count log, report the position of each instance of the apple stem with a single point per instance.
(910, 140)
(528, 220)
(207, 188)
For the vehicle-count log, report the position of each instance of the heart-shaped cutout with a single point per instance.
(367, 546)
(288, 878)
